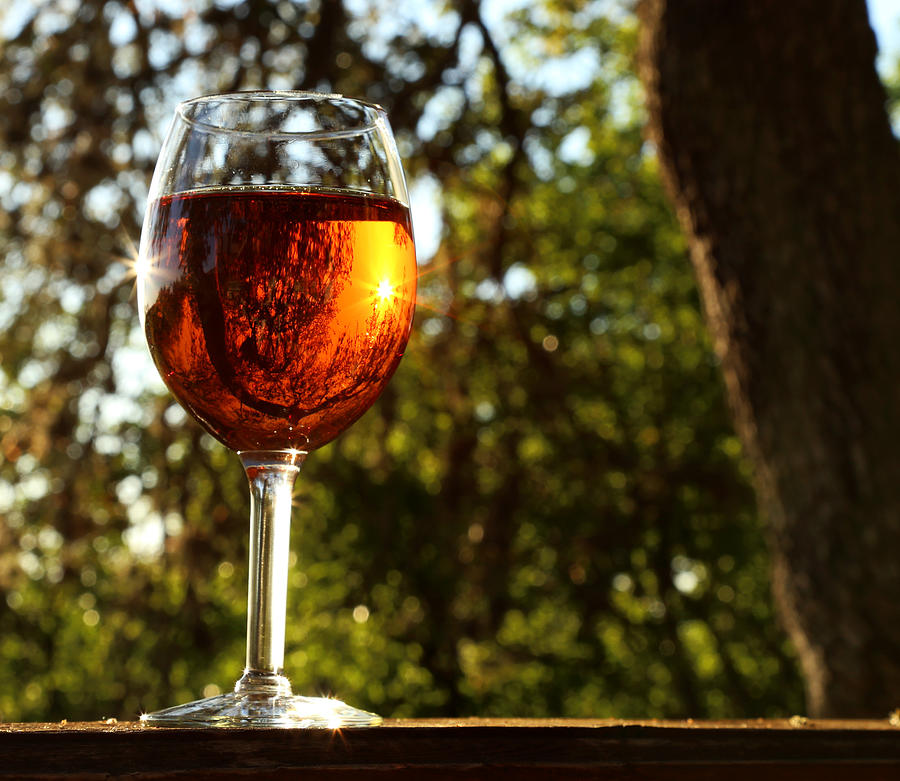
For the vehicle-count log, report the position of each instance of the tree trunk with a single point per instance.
(770, 123)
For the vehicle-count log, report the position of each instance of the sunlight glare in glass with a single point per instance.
(385, 290)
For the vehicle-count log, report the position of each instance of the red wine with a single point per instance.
(276, 317)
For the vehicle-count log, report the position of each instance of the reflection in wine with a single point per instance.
(277, 317)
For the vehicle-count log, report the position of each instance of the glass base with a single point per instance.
(263, 701)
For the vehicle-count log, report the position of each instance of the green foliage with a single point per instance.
(546, 513)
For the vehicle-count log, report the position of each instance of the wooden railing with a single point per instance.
(495, 749)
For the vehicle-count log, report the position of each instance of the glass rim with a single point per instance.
(297, 96)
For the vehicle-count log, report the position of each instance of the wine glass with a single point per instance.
(276, 286)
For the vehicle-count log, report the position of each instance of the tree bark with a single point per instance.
(771, 128)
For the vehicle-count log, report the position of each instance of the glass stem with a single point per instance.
(271, 475)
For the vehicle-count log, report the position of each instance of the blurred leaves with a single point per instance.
(546, 513)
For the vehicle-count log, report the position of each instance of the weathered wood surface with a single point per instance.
(498, 749)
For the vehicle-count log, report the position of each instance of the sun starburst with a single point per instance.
(385, 290)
